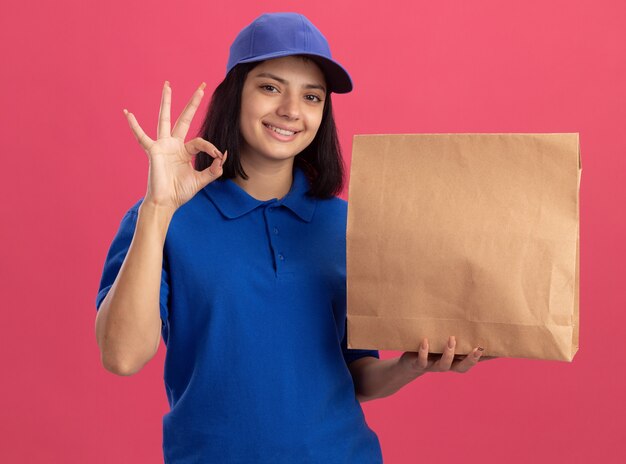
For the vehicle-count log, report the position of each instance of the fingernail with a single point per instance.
(167, 83)
(451, 342)
(202, 86)
(478, 352)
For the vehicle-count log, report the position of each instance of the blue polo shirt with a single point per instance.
(253, 309)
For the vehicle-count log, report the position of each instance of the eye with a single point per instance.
(318, 98)
(265, 86)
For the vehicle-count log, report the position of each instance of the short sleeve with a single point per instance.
(115, 258)
(350, 354)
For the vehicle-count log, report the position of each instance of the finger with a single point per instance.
(145, 141)
(469, 361)
(422, 356)
(195, 146)
(184, 120)
(448, 355)
(164, 126)
(211, 173)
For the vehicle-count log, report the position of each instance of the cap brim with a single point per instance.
(338, 79)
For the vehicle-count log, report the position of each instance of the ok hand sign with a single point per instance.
(172, 179)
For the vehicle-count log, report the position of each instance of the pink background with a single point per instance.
(71, 167)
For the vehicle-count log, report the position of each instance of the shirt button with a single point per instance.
(275, 230)
(281, 257)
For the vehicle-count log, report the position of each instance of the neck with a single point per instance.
(266, 180)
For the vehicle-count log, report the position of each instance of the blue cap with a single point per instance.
(273, 35)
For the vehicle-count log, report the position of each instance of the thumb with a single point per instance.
(214, 171)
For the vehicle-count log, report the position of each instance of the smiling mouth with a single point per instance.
(280, 131)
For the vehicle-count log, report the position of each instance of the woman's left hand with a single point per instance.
(421, 362)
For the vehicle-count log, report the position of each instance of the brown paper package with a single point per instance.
(471, 235)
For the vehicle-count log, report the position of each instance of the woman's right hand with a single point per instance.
(172, 179)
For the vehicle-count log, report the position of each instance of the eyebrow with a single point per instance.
(283, 81)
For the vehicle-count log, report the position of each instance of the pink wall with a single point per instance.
(71, 167)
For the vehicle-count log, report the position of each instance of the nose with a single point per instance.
(289, 106)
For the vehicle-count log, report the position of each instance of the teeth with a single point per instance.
(280, 131)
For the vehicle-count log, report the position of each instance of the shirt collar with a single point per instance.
(233, 201)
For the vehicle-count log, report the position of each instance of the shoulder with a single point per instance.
(134, 209)
(333, 204)
(332, 209)
(331, 215)
(130, 215)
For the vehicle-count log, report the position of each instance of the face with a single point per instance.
(289, 95)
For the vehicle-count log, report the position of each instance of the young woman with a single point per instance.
(243, 252)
